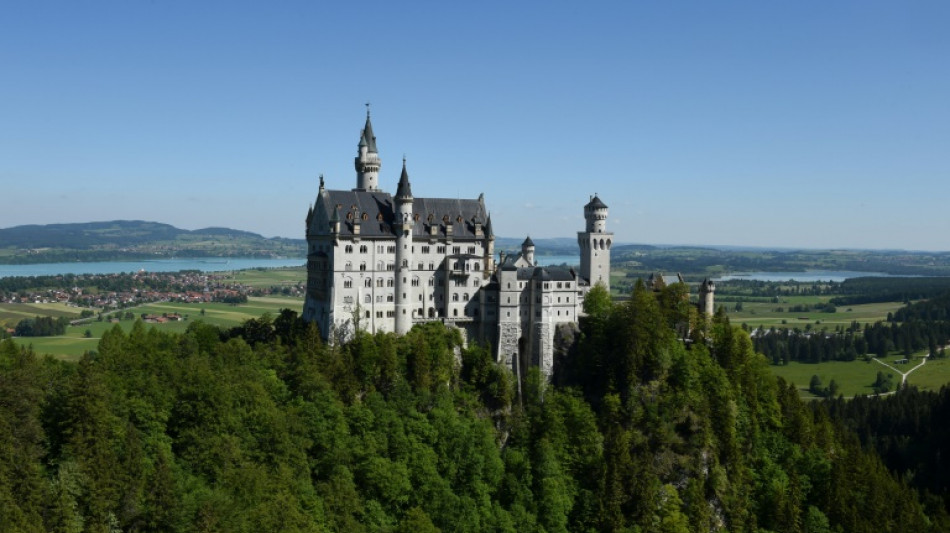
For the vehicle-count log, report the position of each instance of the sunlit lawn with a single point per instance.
(72, 345)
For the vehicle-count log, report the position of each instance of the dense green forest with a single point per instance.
(265, 428)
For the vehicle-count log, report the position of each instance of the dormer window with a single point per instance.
(379, 217)
(365, 216)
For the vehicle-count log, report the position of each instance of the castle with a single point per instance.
(382, 263)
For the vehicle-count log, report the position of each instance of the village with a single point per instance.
(119, 291)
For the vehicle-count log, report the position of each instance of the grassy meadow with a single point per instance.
(73, 344)
(856, 377)
(766, 314)
(270, 277)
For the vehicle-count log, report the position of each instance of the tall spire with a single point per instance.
(403, 190)
(368, 136)
(367, 161)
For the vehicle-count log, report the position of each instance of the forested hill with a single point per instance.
(265, 428)
(132, 239)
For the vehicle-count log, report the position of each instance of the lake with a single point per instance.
(204, 264)
(810, 276)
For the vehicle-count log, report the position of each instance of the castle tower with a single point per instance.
(707, 290)
(367, 159)
(527, 251)
(403, 224)
(595, 244)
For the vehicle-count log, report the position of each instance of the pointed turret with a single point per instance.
(367, 159)
(404, 190)
(404, 226)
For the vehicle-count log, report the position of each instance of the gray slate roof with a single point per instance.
(379, 210)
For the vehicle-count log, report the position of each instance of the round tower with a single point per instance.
(527, 250)
(595, 244)
(403, 225)
(707, 293)
(367, 161)
(595, 212)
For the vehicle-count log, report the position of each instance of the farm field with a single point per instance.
(765, 314)
(271, 276)
(10, 314)
(72, 345)
(856, 377)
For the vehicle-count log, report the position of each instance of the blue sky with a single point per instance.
(797, 124)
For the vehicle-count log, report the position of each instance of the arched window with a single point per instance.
(455, 296)
(349, 266)
(363, 266)
(368, 282)
(390, 282)
(368, 299)
(348, 283)
(379, 282)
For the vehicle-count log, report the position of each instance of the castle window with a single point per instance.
(363, 266)
(349, 216)
(416, 217)
(368, 299)
(455, 312)
(466, 296)
(471, 250)
(347, 299)
(367, 314)
(389, 297)
(559, 285)
(445, 219)
(432, 282)
(476, 282)
(379, 282)
(391, 267)
(459, 219)
(420, 297)
(363, 249)
(440, 249)
(366, 216)
(425, 249)
(348, 266)
(430, 218)
(379, 265)
(379, 249)
(391, 249)
(368, 282)
(348, 248)
(379, 217)
(456, 250)
(348, 283)
(379, 298)
(431, 266)
(421, 266)
(477, 267)
(379, 314)
(455, 296)
(390, 282)
(415, 282)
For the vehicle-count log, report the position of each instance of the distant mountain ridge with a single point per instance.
(135, 239)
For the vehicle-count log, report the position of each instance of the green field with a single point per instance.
(72, 345)
(270, 277)
(765, 314)
(10, 314)
(856, 377)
